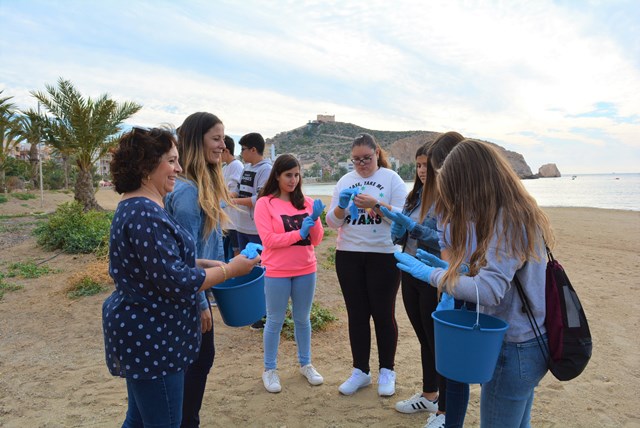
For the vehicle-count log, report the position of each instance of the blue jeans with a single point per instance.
(507, 399)
(155, 403)
(277, 292)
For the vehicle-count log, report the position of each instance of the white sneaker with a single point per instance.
(311, 374)
(435, 421)
(271, 380)
(417, 403)
(357, 380)
(386, 383)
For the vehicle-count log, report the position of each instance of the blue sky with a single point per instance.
(558, 81)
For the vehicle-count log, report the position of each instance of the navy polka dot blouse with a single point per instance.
(151, 322)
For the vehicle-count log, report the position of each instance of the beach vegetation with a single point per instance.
(24, 196)
(330, 258)
(9, 132)
(6, 286)
(3, 199)
(31, 129)
(28, 269)
(320, 319)
(85, 287)
(93, 279)
(73, 230)
(83, 128)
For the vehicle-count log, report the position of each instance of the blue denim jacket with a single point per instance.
(182, 205)
(426, 233)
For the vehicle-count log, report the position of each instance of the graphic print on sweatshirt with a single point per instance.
(294, 222)
(366, 216)
(247, 181)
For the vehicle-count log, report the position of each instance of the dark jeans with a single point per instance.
(230, 244)
(457, 393)
(420, 300)
(457, 401)
(195, 381)
(155, 403)
(244, 239)
(369, 284)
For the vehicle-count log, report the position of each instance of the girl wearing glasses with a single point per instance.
(365, 264)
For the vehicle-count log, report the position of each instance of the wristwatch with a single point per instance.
(377, 206)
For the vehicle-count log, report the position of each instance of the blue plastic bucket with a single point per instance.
(467, 344)
(241, 299)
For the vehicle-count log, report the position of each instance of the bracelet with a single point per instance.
(224, 272)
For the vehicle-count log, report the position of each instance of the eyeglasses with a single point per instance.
(243, 148)
(362, 161)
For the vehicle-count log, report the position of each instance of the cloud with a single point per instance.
(541, 78)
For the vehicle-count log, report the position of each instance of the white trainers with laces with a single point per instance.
(386, 383)
(271, 380)
(436, 421)
(417, 403)
(311, 374)
(357, 380)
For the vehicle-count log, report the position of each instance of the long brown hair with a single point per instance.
(368, 140)
(272, 187)
(476, 185)
(414, 194)
(207, 177)
(437, 153)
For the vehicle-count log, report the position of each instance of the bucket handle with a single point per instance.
(477, 324)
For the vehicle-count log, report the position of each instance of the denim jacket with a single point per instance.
(426, 233)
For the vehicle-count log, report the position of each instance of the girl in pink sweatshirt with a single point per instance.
(288, 225)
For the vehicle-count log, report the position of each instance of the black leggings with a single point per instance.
(369, 284)
(420, 300)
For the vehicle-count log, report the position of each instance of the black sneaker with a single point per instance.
(258, 325)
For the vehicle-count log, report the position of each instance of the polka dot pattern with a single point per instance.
(150, 322)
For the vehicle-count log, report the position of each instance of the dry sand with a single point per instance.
(52, 370)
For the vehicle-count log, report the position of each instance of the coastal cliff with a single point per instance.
(327, 145)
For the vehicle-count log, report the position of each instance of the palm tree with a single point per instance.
(86, 126)
(31, 130)
(9, 130)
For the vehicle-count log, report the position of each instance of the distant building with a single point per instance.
(348, 165)
(326, 118)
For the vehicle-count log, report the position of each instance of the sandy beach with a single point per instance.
(53, 374)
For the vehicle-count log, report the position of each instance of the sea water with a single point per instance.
(610, 191)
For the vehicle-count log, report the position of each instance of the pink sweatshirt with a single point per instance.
(285, 253)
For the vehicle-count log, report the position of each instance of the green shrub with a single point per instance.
(5, 287)
(3, 199)
(85, 287)
(320, 318)
(24, 196)
(28, 270)
(330, 260)
(74, 231)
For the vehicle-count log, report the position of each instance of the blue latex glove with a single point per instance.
(413, 266)
(318, 208)
(399, 218)
(345, 197)
(431, 260)
(434, 261)
(446, 302)
(251, 250)
(397, 230)
(353, 210)
(307, 224)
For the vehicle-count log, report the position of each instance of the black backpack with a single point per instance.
(569, 339)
